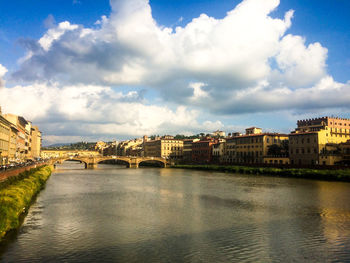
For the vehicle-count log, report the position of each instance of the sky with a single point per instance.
(85, 70)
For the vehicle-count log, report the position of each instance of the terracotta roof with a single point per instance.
(300, 133)
(259, 134)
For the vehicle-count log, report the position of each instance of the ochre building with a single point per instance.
(251, 147)
(165, 147)
(313, 141)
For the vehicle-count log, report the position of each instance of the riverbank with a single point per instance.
(16, 195)
(329, 175)
(5, 174)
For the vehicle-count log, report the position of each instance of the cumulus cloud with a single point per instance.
(94, 111)
(131, 48)
(245, 62)
(326, 93)
(228, 56)
(3, 71)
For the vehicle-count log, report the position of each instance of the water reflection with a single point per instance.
(164, 215)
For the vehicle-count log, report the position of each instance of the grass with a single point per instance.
(333, 175)
(16, 195)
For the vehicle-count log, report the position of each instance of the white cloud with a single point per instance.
(95, 111)
(245, 62)
(228, 55)
(301, 65)
(3, 71)
(131, 48)
(198, 92)
(54, 34)
(326, 93)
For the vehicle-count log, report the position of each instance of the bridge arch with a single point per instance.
(61, 161)
(160, 162)
(122, 160)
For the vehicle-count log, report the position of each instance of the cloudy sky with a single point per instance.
(89, 70)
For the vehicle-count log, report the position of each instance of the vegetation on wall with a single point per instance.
(334, 175)
(16, 195)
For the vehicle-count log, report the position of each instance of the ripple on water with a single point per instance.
(120, 215)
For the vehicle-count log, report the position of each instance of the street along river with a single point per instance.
(114, 214)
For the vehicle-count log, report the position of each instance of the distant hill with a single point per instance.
(57, 145)
(71, 146)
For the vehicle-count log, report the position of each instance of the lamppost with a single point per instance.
(1, 157)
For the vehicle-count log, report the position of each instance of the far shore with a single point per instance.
(305, 173)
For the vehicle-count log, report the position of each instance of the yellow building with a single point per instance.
(22, 136)
(13, 154)
(35, 142)
(312, 141)
(187, 150)
(251, 147)
(130, 147)
(166, 147)
(28, 140)
(5, 128)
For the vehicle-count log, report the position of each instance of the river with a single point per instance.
(114, 214)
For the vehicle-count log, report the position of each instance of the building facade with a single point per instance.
(165, 147)
(202, 151)
(314, 140)
(218, 150)
(187, 150)
(251, 147)
(35, 142)
(13, 154)
(5, 131)
(130, 147)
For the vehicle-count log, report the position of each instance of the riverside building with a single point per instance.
(202, 151)
(35, 142)
(251, 147)
(187, 150)
(19, 139)
(314, 140)
(166, 147)
(5, 131)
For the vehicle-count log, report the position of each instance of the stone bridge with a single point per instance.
(93, 161)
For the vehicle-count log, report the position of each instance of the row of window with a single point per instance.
(344, 124)
(4, 130)
(302, 141)
(243, 154)
(4, 145)
(304, 150)
(243, 146)
(275, 161)
(340, 130)
(201, 152)
(173, 148)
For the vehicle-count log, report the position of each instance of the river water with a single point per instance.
(114, 214)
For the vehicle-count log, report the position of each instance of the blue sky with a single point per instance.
(192, 91)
